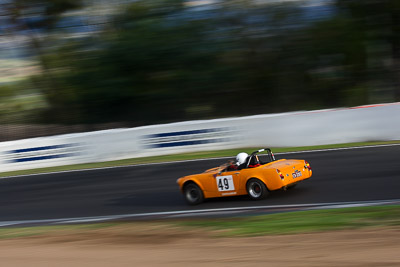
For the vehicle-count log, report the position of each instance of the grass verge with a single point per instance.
(16, 232)
(272, 224)
(303, 221)
(185, 156)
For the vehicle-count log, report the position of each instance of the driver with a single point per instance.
(241, 160)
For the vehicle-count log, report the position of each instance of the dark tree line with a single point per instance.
(160, 61)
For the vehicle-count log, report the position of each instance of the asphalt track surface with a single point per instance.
(364, 174)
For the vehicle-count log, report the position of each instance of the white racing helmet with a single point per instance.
(241, 158)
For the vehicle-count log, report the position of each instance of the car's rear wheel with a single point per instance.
(193, 194)
(256, 189)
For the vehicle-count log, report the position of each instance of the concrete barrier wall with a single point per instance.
(359, 124)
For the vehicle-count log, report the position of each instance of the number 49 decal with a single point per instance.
(225, 183)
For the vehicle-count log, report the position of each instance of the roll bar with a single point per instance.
(269, 152)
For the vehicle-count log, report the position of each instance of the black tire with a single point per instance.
(256, 189)
(193, 194)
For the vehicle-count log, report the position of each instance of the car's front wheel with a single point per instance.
(256, 189)
(193, 194)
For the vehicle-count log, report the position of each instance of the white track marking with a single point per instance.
(194, 160)
(336, 149)
(201, 212)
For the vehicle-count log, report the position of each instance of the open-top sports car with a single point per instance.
(259, 174)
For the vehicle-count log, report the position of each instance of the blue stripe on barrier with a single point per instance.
(42, 157)
(41, 148)
(188, 143)
(181, 133)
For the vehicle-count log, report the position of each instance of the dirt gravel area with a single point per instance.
(168, 246)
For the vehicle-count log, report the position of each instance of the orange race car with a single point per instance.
(254, 174)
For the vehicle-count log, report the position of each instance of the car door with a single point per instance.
(227, 183)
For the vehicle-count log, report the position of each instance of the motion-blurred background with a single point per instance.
(81, 65)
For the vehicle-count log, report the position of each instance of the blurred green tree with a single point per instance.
(149, 65)
(36, 19)
(34, 16)
(379, 24)
(159, 62)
